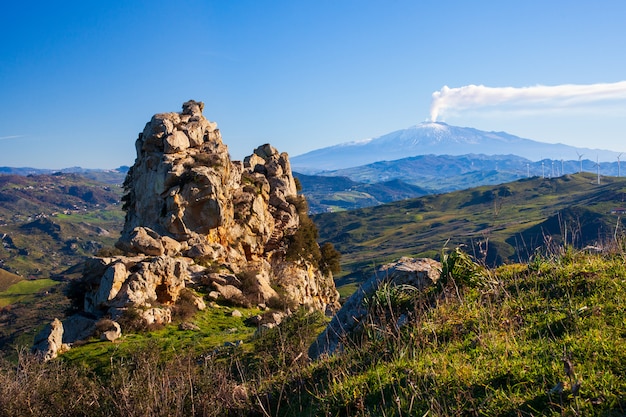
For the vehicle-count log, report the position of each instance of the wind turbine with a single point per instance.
(618, 156)
(598, 167)
(580, 160)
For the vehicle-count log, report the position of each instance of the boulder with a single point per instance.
(262, 287)
(49, 341)
(171, 247)
(146, 241)
(157, 316)
(188, 326)
(199, 303)
(228, 292)
(111, 332)
(416, 272)
(110, 284)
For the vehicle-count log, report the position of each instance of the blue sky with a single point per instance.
(79, 79)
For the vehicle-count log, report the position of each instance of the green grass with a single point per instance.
(112, 215)
(217, 327)
(491, 351)
(469, 348)
(25, 291)
(347, 289)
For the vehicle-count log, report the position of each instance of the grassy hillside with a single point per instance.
(330, 194)
(7, 279)
(496, 224)
(544, 338)
(48, 224)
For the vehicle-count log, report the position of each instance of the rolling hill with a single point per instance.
(497, 224)
(336, 193)
(49, 222)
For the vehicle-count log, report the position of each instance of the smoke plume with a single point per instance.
(472, 96)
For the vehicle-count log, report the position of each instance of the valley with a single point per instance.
(497, 224)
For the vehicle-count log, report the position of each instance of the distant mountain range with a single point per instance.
(423, 159)
(439, 173)
(386, 181)
(437, 138)
(108, 176)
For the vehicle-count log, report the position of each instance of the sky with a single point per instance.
(79, 79)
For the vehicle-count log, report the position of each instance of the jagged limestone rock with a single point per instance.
(191, 210)
(416, 272)
(157, 316)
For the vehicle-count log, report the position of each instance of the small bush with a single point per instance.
(109, 252)
(185, 308)
(459, 267)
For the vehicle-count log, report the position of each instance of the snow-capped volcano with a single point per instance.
(435, 138)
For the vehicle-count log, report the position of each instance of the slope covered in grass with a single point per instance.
(543, 338)
(7, 279)
(503, 223)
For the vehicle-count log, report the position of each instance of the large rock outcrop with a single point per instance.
(184, 186)
(194, 217)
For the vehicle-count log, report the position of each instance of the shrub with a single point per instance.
(185, 308)
(459, 267)
(75, 291)
(108, 252)
(303, 243)
(330, 258)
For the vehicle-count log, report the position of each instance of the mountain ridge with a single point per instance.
(435, 138)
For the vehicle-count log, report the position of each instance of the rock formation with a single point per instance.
(49, 341)
(416, 273)
(194, 217)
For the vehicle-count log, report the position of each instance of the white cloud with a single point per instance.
(562, 96)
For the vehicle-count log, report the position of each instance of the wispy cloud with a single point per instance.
(562, 96)
(11, 137)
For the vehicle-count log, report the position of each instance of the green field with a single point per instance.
(25, 291)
